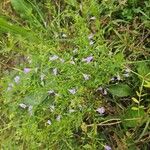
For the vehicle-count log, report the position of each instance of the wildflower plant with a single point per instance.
(67, 91)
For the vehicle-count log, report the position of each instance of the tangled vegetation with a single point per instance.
(75, 74)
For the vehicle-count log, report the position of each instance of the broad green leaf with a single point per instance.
(133, 117)
(23, 8)
(120, 90)
(143, 69)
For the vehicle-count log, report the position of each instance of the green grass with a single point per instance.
(74, 74)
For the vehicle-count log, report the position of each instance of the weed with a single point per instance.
(74, 74)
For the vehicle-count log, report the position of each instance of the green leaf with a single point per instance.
(147, 85)
(71, 2)
(120, 90)
(23, 8)
(143, 69)
(6, 26)
(133, 117)
(135, 100)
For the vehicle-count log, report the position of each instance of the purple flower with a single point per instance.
(102, 91)
(126, 75)
(72, 62)
(64, 35)
(22, 105)
(127, 70)
(27, 70)
(90, 36)
(54, 57)
(88, 59)
(72, 91)
(93, 18)
(71, 110)
(51, 92)
(49, 122)
(58, 118)
(86, 76)
(16, 79)
(55, 71)
(107, 147)
(91, 42)
(101, 110)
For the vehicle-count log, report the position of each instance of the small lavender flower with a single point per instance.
(93, 18)
(88, 59)
(72, 62)
(107, 147)
(72, 91)
(58, 118)
(54, 57)
(91, 36)
(51, 92)
(104, 92)
(101, 110)
(55, 71)
(22, 105)
(126, 75)
(49, 122)
(118, 77)
(71, 110)
(86, 76)
(64, 35)
(27, 70)
(100, 89)
(127, 70)
(91, 42)
(16, 79)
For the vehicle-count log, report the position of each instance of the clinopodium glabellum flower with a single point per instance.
(27, 70)
(51, 92)
(107, 147)
(86, 76)
(54, 57)
(49, 122)
(22, 105)
(88, 59)
(101, 110)
(16, 79)
(72, 91)
(55, 71)
(58, 118)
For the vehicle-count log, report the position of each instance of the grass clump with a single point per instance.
(74, 74)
